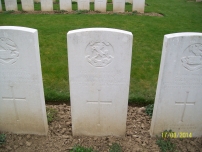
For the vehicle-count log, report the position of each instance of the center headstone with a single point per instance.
(27, 5)
(138, 5)
(11, 5)
(100, 5)
(118, 5)
(178, 102)
(99, 74)
(47, 5)
(66, 5)
(83, 4)
(22, 105)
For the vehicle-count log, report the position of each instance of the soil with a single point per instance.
(60, 139)
(84, 12)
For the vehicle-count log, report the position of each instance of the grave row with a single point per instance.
(100, 5)
(99, 63)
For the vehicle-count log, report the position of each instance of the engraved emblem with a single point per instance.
(192, 57)
(99, 54)
(8, 51)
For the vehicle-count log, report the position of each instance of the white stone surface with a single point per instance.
(100, 5)
(27, 5)
(0, 6)
(47, 5)
(11, 5)
(138, 5)
(66, 5)
(83, 4)
(118, 5)
(178, 102)
(22, 105)
(99, 74)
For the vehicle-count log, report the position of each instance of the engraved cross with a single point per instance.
(185, 103)
(99, 102)
(14, 99)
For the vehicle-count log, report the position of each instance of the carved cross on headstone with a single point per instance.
(99, 102)
(14, 99)
(184, 103)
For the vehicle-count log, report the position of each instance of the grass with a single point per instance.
(149, 109)
(79, 148)
(51, 114)
(2, 139)
(164, 142)
(115, 147)
(148, 32)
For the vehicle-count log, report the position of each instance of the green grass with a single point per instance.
(2, 138)
(51, 114)
(148, 32)
(79, 148)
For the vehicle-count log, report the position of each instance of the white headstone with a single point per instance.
(40, 0)
(22, 105)
(178, 102)
(27, 5)
(100, 5)
(118, 5)
(99, 74)
(138, 5)
(66, 5)
(0, 6)
(47, 5)
(83, 5)
(11, 5)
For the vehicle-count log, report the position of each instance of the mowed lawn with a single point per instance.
(148, 33)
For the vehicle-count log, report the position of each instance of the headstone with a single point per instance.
(198, 0)
(40, 0)
(83, 4)
(22, 105)
(138, 5)
(0, 6)
(11, 5)
(27, 5)
(66, 5)
(47, 5)
(100, 5)
(99, 74)
(118, 5)
(178, 102)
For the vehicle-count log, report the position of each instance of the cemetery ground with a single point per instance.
(148, 31)
(59, 138)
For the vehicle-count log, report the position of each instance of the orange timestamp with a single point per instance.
(176, 135)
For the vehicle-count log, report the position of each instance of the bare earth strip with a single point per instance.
(60, 139)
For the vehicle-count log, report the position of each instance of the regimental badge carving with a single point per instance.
(99, 54)
(192, 57)
(8, 51)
